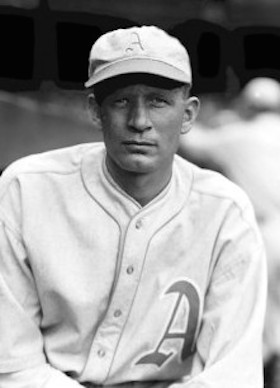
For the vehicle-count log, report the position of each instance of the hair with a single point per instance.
(104, 88)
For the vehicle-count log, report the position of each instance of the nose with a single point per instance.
(139, 119)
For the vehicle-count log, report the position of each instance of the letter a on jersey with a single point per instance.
(184, 289)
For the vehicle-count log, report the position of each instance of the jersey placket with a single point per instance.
(112, 326)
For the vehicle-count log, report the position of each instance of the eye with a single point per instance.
(120, 102)
(158, 101)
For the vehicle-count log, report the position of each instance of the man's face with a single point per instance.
(142, 125)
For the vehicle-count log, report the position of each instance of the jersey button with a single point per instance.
(139, 224)
(130, 269)
(101, 353)
(117, 313)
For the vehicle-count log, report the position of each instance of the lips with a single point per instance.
(139, 143)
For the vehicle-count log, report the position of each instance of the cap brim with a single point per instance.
(140, 65)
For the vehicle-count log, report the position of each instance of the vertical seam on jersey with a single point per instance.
(129, 311)
(111, 292)
(138, 285)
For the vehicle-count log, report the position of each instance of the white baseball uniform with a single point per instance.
(95, 289)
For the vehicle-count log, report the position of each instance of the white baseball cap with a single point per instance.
(146, 49)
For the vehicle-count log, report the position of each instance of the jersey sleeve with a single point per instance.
(229, 344)
(22, 359)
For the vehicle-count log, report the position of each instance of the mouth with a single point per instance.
(142, 147)
(139, 143)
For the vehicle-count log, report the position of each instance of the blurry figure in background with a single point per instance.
(248, 152)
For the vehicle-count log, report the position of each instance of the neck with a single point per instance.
(142, 187)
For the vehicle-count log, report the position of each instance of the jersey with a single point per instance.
(96, 289)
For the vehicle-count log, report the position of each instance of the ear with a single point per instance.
(190, 115)
(94, 111)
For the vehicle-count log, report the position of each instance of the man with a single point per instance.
(121, 263)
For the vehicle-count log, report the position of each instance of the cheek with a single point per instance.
(112, 125)
(109, 129)
(172, 128)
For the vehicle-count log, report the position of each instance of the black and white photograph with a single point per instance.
(139, 194)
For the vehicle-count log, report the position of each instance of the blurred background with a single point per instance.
(45, 46)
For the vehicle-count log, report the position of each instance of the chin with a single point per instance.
(139, 164)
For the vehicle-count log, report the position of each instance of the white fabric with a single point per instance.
(93, 286)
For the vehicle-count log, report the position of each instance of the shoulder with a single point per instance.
(63, 161)
(212, 186)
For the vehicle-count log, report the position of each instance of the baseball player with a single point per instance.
(120, 262)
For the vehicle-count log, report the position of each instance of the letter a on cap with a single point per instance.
(135, 43)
